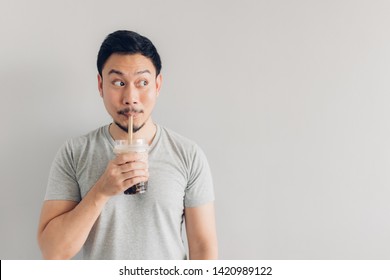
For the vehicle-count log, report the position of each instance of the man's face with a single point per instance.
(129, 86)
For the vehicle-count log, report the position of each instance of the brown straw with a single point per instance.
(130, 130)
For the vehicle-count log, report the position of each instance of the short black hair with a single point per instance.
(127, 42)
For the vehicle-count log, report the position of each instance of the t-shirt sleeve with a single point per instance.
(200, 188)
(62, 183)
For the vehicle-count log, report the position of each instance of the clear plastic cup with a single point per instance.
(137, 146)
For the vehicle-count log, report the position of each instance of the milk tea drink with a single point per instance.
(137, 146)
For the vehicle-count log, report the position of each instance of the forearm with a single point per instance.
(63, 236)
(203, 251)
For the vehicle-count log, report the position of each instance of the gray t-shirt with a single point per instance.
(142, 226)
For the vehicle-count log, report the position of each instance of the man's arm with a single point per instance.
(201, 232)
(65, 225)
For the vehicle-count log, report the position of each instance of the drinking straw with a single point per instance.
(130, 130)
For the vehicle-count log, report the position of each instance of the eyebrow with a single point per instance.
(114, 71)
(142, 72)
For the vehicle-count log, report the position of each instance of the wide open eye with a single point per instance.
(119, 83)
(143, 83)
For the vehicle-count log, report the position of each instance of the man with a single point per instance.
(85, 205)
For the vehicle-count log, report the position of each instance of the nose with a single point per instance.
(130, 95)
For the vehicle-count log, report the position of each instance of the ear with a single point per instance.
(100, 84)
(158, 84)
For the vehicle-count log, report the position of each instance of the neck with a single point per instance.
(148, 131)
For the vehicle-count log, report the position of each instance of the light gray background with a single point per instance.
(289, 99)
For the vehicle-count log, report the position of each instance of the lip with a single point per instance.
(127, 115)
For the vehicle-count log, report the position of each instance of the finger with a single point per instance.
(129, 157)
(133, 181)
(135, 165)
(134, 173)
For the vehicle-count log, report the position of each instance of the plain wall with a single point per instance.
(289, 100)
